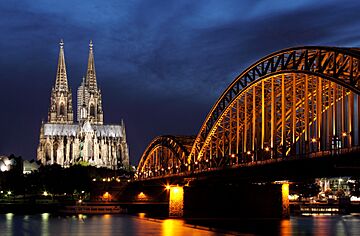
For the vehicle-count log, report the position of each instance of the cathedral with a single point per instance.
(88, 140)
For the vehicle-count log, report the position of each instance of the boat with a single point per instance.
(93, 209)
(317, 209)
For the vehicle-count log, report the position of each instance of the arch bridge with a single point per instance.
(295, 103)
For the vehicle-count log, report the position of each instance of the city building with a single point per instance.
(30, 166)
(5, 163)
(88, 141)
(11, 162)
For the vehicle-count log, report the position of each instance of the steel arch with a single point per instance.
(179, 146)
(341, 65)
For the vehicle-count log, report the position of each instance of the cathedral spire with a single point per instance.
(61, 99)
(61, 83)
(89, 95)
(90, 74)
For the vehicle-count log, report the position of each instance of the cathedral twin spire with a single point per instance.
(89, 96)
(90, 74)
(61, 83)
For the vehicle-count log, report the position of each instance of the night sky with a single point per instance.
(161, 65)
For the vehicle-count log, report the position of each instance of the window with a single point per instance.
(92, 110)
(62, 109)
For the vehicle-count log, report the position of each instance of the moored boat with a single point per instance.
(93, 209)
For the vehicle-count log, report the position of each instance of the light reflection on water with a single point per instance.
(107, 225)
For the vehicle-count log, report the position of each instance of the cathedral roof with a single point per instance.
(111, 131)
(60, 129)
(108, 130)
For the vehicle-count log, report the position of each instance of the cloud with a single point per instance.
(161, 65)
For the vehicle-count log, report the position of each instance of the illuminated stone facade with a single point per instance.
(88, 141)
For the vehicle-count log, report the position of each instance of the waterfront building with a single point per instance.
(5, 163)
(89, 140)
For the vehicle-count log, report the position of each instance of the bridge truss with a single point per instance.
(294, 102)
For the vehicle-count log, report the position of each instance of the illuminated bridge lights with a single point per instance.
(292, 103)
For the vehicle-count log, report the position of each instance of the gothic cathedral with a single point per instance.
(89, 141)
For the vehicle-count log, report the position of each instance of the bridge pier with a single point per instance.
(285, 200)
(176, 201)
(237, 201)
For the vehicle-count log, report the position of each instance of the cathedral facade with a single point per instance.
(88, 140)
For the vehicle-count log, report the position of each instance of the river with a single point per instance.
(107, 225)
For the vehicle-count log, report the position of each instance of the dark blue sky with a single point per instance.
(161, 65)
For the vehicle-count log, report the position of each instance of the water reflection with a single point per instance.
(48, 224)
(142, 215)
(285, 227)
(45, 224)
(8, 223)
(169, 227)
(178, 227)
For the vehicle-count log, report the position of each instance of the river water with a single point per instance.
(107, 225)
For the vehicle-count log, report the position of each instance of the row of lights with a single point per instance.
(343, 134)
(267, 149)
(109, 179)
(46, 193)
(157, 170)
(196, 163)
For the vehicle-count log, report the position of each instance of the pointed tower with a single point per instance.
(82, 98)
(61, 100)
(89, 94)
(91, 82)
